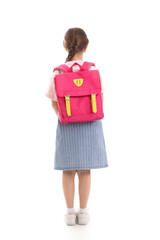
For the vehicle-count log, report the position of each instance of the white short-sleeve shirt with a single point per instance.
(51, 92)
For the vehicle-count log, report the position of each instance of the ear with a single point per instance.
(85, 48)
(64, 47)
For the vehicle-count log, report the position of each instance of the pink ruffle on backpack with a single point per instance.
(78, 93)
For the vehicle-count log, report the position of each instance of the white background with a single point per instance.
(125, 45)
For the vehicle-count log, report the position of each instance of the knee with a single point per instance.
(83, 172)
(70, 172)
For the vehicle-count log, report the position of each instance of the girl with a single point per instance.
(80, 146)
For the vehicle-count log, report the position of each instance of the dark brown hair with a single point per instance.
(75, 40)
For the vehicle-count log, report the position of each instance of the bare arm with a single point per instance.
(55, 106)
(102, 98)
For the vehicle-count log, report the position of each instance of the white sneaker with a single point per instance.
(82, 218)
(70, 218)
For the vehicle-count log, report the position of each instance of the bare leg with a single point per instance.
(68, 187)
(84, 186)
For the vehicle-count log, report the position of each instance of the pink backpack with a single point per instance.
(78, 94)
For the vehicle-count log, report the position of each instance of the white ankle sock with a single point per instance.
(70, 210)
(83, 210)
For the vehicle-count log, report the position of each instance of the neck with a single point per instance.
(78, 56)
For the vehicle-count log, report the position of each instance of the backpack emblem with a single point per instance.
(78, 82)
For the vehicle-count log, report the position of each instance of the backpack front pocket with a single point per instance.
(79, 105)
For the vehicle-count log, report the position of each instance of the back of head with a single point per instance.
(75, 41)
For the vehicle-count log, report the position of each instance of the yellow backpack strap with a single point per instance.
(93, 103)
(68, 107)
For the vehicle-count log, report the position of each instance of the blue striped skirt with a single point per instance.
(80, 145)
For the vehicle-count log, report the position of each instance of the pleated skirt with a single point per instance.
(80, 145)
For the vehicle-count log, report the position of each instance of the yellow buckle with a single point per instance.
(68, 107)
(93, 103)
